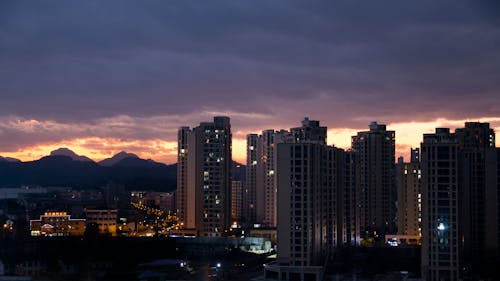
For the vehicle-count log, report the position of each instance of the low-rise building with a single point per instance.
(57, 224)
(105, 220)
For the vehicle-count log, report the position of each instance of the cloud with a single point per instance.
(155, 137)
(131, 70)
(98, 59)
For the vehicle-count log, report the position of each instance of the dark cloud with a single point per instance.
(346, 62)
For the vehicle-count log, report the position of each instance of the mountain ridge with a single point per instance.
(63, 170)
(64, 151)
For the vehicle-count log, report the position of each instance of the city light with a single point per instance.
(441, 226)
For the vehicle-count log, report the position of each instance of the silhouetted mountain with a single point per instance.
(108, 162)
(9, 159)
(125, 169)
(59, 170)
(63, 151)
(138, 163)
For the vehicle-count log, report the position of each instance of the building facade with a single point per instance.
(204, 177)
(237, 200)
(316, 210)
(182, 180)
(57, 224)
(376, 180)
(250, 193)
(104, 219)
(409, 196)
(460, 206)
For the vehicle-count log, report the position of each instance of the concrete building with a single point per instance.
(348, 233)
(440, 222)
(57, 224)
(310, 131)
(182, 174)
(310, 182)
(460, 205)
(261, 176)
(105, 220)
(249, 195)
(204, 177)
(236, 200)
(479, 190)
(409, 196)
(376, 180)
(266, 179)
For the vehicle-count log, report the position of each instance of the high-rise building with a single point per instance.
(249, 209)
(310, 182)
(236, 200)
(306, 212)
(310, 131)
(266, 182)
(376, 180)
(440, 213)
(182, 181)
(409, 196)
(460, 206)
(261, 178)
(204, 183)
(479, 211)
(347, 210)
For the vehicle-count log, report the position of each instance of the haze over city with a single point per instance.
(101, 77)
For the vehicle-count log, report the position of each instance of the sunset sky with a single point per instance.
(99, 77)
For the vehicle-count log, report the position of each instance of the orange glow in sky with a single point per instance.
(408, 134)
(101, 148)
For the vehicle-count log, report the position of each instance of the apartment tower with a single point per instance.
(204, 177)
(376, 180)
(460, 203)
(409, 196)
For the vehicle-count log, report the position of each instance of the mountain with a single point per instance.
(63, 151)
(9, 159)
(62, 170)
(137, 163)
(124, 169)
(108, 162)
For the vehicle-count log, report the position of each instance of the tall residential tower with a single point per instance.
(204, 177)
(375, 180)
(460, 203)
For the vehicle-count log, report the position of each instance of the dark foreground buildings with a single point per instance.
(460, 200)
(204, 177)
(315, 202)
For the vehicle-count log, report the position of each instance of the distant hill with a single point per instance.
(68, 170)
(63, 151)
(65, 168)
(9, 159)
(108, 162)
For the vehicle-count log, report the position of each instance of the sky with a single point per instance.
(100, 77)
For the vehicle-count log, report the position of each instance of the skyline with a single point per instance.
(100, 78)
(147, 149)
